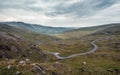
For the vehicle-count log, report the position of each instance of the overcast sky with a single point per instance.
(68, 13)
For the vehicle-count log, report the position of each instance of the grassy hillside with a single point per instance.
(29, 35)
(114, 30)
(77, 33)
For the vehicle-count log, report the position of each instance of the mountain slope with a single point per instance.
(38, 28)
(20, 56)
(77, 33)
(28, 34)
(14, 46)
(112, 30)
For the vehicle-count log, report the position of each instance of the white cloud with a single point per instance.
(61, 13)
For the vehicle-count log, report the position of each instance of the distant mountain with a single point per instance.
(28, 34)
(77, 33)
(112, 30)
(38, 28)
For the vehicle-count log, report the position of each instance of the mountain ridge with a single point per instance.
(84, 31)
(38, 28)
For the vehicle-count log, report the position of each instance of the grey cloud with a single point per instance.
(105, 4)
(22, 4)
(57, 12)
(84, 8)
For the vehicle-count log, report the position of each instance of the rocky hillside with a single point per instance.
(15, 46)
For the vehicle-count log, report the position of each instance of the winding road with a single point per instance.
(56, 54)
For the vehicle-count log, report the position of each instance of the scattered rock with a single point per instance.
(9, 66)
(14, 48)
(58, 65)
(84, 63)
(83, 69)
(27, 61)
(53, 73)
(117, 71)
(39, 70)
(22, 62)
(18, 73)
(109, 70)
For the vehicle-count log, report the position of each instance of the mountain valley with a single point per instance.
(25, 50)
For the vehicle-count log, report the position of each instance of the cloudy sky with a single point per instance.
(68, 13)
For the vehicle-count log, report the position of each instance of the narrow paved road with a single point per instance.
(56, 54)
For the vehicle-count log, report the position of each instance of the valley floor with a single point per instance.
(104, 61)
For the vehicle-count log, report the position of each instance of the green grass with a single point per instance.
(67, 47)
(105, 58)
(98, 63)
